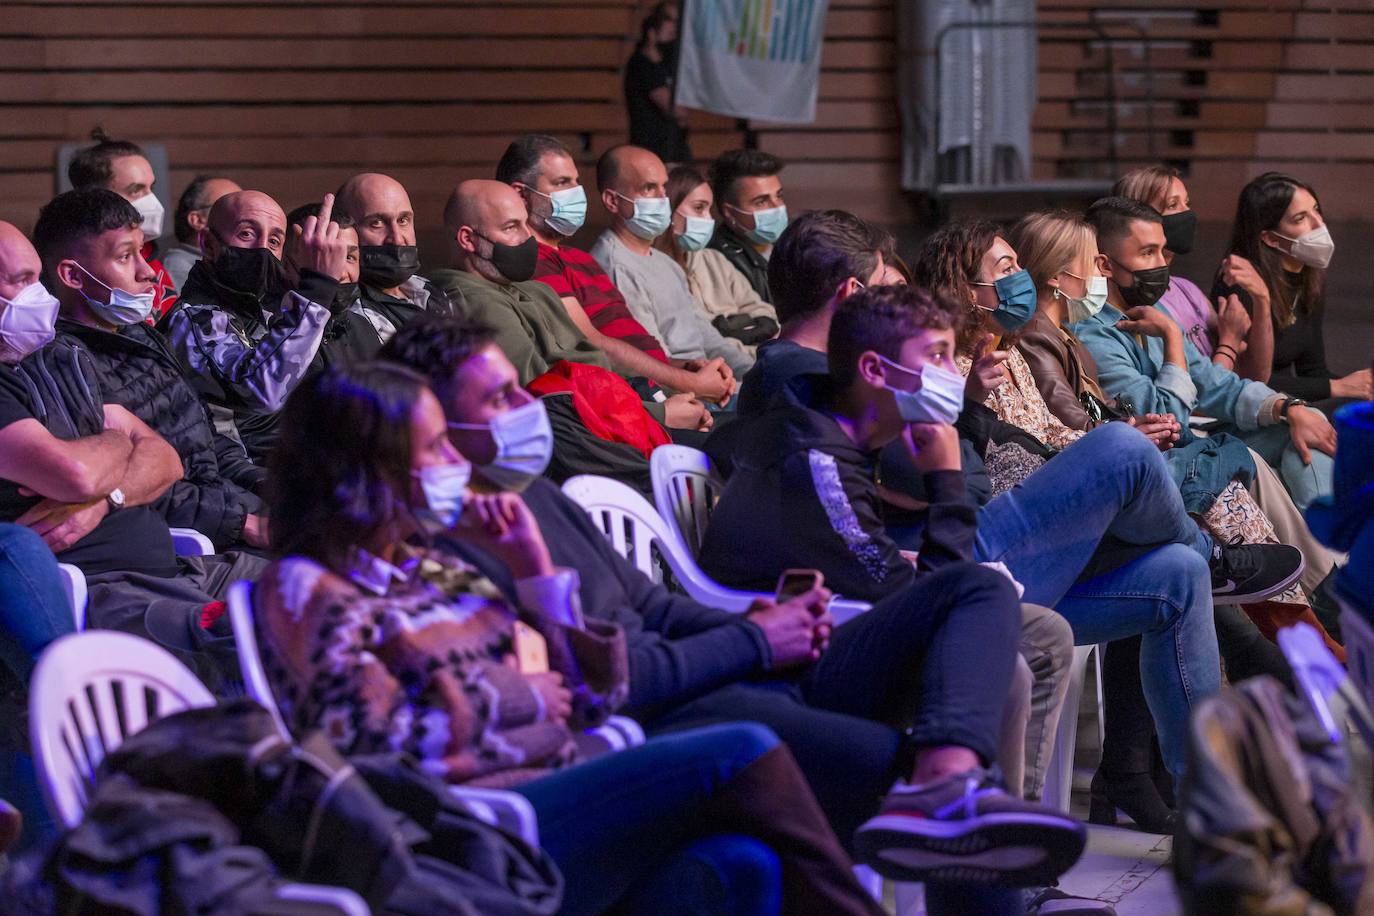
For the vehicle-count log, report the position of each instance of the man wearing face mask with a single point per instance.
(391, 291)
(244, 338)
(543, 171)
(85, 475)
(493, 269)
(90, 243)
(633, 184)
(1144, 359)
(748, 193)
(189, 219)
(120, 166)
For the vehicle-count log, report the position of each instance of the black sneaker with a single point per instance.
(965, 829)
(1242, 573)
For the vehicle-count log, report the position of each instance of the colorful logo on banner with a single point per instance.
(752, 58)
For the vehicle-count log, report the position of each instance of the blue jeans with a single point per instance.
(1100, 535)
(34, 611)
(1305, 482)
(622, 828)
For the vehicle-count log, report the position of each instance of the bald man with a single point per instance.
(245, 338)
(193, 209)
(634, 190)
(391, 290)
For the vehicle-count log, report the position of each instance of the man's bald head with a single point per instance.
(380, 207)
(481, 214)
(626, 167)
(19, 263)
(244, 219)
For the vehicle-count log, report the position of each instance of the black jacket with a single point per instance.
(741, 252)
(678, 649)
(138, 372)
(803, 495)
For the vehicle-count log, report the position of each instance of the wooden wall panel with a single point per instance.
(293, 96)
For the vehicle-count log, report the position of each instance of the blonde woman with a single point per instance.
(717, 285)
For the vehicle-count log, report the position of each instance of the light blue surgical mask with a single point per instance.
(698, 232)
(569, 209)
(1090, 304)
(768, 224)
(1015, 300)
(445, 487)
(652, 216)
(940, 399)
(524, 445)
(123, 308)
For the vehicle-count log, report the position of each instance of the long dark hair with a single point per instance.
(1261, 206)
(340, 474)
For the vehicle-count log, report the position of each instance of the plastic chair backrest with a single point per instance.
(188, 542)
(686, 488)
(89, 692)
(74, 584)
(240, 605)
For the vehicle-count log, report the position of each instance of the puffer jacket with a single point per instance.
(138, 371)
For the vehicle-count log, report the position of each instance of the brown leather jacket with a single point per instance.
(1063, 369)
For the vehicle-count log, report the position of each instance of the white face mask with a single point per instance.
(27, 322)
(445, 487)
(524, 445)
(940, 399)
(150, 208)
(569, 209)
(1313, 249)
(652, 216)
(123, 307)
(1090, 304)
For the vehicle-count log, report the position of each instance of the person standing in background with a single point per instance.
(655, 122)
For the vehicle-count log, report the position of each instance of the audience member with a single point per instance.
(82, 473)
(753, 216)
(1281, 232)
(120, 166)
(1143, 358)
(1224, 334)
(354, 332)
(189, 220)
(633, 185)
(393, 644)
(243, 336)
(690, 663)
(656, 122)
(543, 171)
(90, 242)
(718, 287)
(391, 289)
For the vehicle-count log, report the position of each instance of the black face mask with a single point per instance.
(254, 271)
(345, 297)
(1179, 230)
(515, 262)
(1150, 284)
(388, 266)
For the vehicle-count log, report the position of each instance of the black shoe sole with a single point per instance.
(1010, 850)
(1262, 594)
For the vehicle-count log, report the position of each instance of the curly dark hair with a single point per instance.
(948, 264)
(882, 319)
(340, 473)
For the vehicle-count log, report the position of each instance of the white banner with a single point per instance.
(756, 59)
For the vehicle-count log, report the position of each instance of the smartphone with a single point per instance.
(794, 582)
(531, 651)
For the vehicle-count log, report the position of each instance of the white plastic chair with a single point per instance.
(89, 692)
(508, 810)
(1058, 790)
(188, 542)
(686, 488)
(634, 528)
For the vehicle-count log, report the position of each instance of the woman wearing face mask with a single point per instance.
(1223, 334)
(391, 644)
(1280, 229)
(717, 285)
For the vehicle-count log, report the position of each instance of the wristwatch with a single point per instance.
(115, 499)
(1288, 404)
